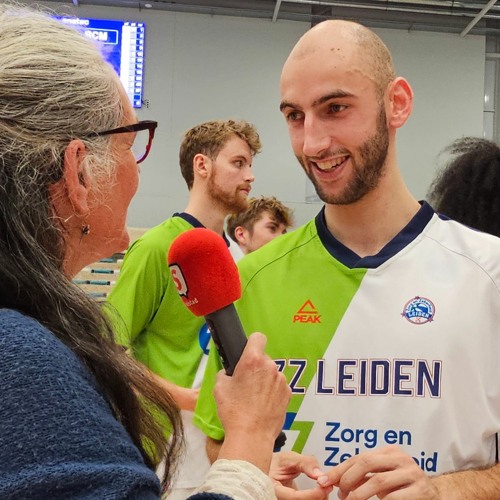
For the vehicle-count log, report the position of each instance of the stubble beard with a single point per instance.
(366, 174)
(231, 203)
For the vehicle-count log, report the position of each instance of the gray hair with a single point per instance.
(55, 87)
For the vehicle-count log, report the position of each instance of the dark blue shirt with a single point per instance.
(58, 436)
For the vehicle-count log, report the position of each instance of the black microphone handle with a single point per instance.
(230, 340)
(228, 335)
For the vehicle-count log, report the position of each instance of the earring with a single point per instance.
(85, 229)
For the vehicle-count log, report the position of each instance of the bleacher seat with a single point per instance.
(98, 278)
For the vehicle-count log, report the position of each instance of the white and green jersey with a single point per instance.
(398, 348)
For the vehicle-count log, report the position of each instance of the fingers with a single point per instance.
(288, 465)
(318, 493)
(256, 396)
(256, 341)
(380, 484)
(354, 470)
(386, 472)
(310, 466)
(251, 405)
(253, 354)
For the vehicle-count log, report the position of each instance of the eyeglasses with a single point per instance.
(142, 141)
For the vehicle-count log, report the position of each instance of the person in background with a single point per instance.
(383, 316)
(216, 160)
(263, 220)
(466, 188)
(78, 414)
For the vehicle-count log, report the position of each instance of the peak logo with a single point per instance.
(307, 314)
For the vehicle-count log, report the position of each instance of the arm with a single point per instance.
(480, 484)
(135, 300)
(213, 449)
(184, 397)
(206, 416)
(286, 466)
(251, 405)
(67, 442)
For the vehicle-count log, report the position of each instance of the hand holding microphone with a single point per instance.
(208, 283)
(251, 405)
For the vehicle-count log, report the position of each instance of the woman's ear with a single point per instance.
(75, 178)
(400, 102)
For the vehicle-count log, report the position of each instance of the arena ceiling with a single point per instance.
(462, 17)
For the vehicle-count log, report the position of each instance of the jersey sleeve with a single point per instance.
(205, 415)
(137, 294)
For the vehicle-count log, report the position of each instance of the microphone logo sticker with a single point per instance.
(179, 280)
(181, 285)
(307, 314)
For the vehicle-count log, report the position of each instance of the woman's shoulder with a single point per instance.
(67, 442)
(39, 372)
(21, 335)
(28, 346)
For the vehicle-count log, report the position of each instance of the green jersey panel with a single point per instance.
(277, 288)
(162, 333)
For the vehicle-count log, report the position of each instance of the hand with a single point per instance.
(255, 398)
(251, 405)
(288, 465)
(387, 473)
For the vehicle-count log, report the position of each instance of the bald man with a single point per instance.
(383, 316)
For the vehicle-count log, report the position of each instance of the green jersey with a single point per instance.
(161, 332)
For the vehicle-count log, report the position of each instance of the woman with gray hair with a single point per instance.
(79, 417)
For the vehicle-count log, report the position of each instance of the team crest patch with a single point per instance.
(419, 311)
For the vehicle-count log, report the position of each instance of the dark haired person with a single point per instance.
(466, 188)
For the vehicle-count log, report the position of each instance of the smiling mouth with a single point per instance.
(330, 165)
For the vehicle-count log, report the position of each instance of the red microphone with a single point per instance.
(208, 283)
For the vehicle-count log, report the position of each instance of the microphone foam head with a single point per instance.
(203, 271)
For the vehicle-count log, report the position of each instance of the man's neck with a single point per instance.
(211, 216)
(366, 226)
